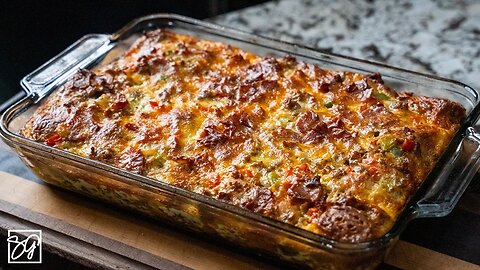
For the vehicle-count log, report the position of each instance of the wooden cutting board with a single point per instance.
(99, 235)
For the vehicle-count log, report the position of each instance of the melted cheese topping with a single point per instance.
(336, 153)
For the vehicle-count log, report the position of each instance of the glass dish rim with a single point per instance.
(306, 236)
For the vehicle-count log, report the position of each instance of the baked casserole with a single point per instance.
(336, 153)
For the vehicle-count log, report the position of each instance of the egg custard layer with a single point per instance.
(335, 153)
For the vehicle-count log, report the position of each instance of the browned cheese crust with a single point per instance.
(335, 153)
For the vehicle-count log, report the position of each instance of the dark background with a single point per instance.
(33, 31)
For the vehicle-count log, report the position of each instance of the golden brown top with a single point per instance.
(336, 153)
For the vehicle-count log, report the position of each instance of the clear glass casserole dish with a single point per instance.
(436, 197)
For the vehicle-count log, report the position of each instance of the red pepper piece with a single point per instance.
(213, 182)
(153, 104)
(248, 173)
(53, 140)
(408, 145)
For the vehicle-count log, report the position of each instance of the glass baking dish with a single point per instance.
(436, 197)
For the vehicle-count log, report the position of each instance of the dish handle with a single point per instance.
(444, 194)
(80, 54)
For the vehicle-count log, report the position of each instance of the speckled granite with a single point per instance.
(435, 37)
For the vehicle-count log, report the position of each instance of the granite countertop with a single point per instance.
(434, 37)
